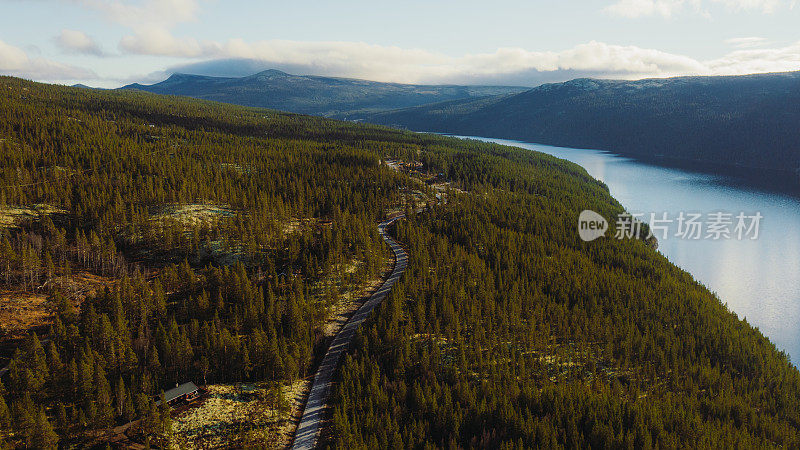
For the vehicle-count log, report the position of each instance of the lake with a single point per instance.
(758, 279)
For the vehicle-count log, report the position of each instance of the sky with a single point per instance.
(109, 43)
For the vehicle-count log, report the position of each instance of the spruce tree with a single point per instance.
(5, 414)
(43, 436)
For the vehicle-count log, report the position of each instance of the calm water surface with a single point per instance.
(758, 279)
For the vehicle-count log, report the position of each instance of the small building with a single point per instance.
(183, 392)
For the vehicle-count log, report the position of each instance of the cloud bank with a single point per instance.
(151, 24)
(668, 8)
(505, 65)
(14, 61)
(149, 30)
(151, 13)
(747, 42)
(74, 41)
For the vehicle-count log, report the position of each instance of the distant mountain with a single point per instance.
(342, 98)
(750, 121)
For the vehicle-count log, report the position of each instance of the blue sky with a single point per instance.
(113, 42)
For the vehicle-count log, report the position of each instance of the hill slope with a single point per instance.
(226, 235)
(747, 121)
(335, 97)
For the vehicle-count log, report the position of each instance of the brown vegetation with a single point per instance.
(240, 415)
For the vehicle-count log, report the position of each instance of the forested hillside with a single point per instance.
(107, 185)
(216, 237)
(745, 122)
(341, 98)
(508, 331)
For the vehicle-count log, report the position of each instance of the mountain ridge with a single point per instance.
(342, 98)
(721, 121)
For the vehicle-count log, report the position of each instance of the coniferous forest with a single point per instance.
(506, 329)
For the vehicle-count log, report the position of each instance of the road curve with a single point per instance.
(307, 434)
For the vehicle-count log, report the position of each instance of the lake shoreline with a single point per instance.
(759, 279)
(782, 181)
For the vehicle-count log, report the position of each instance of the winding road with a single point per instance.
(308, 430)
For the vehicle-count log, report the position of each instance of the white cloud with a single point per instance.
(148, 13)
(78, 42)
(12, 58)
(747, 42)
(160, 42)
(740, 62)
(765, 6)
(640, 8)
(151, 24)
(381, 63)
(669, 8)
(14, 61)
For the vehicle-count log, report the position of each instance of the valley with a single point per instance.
(224, 239)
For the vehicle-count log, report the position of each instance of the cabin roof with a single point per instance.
(183, 389)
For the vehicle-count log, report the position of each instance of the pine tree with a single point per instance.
(129, 410)
(7, 256)
(105, 412)
(55, 365)
(37, 363)
(50, 268)
(120, 397)
(24, 413)
(246, 365)
(62, 421)
(159, 298)
(43, 436)
(5, 415)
